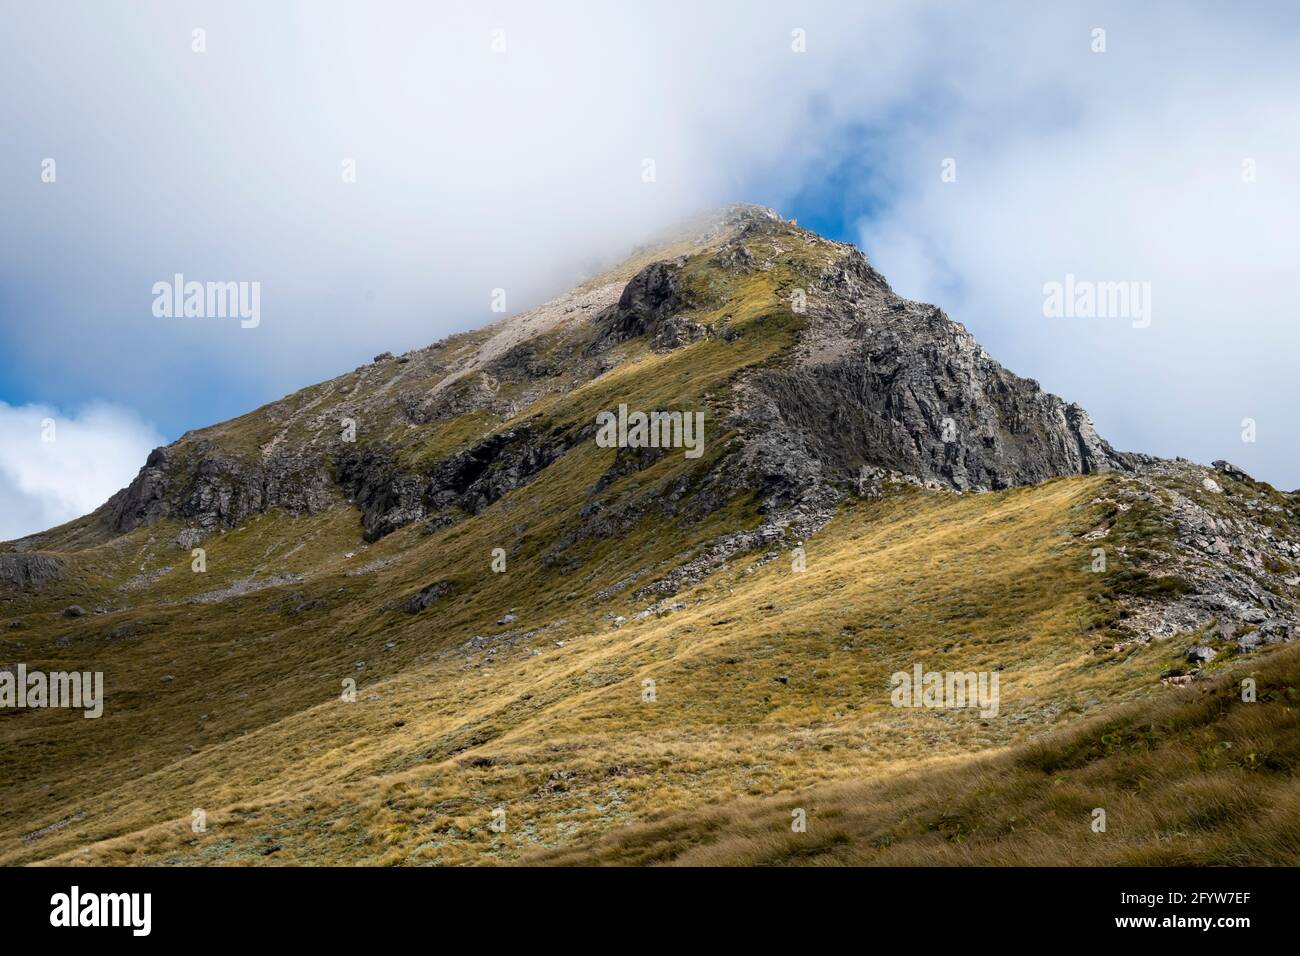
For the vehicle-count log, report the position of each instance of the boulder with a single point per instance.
(1231, 470)
(1248, 642)
(427, 596)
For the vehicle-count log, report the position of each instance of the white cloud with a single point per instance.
(475, 170)
(478, 170)
(92, 454)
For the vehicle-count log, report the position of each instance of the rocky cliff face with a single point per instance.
(886, 382)
(30, 571)
(878, 382)
(212, 488)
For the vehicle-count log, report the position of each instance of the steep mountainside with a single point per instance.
(583, 637)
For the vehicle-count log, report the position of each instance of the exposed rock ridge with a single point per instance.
(882, 381)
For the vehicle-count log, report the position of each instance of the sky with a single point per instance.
(379, 169)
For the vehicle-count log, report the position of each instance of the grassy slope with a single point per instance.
(559, 735)
(1197, 777)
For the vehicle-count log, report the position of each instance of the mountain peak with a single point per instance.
(779, 335)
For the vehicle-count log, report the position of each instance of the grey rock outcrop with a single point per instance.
(1224, 556)
(212, 488)
(390, 497)
(1231, 470)
(650, 301)
(884, 382)
(30, 571)
(427, 596)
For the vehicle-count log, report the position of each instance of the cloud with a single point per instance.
(521, 169)
(54, 467)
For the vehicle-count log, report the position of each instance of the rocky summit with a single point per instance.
(429, 612)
